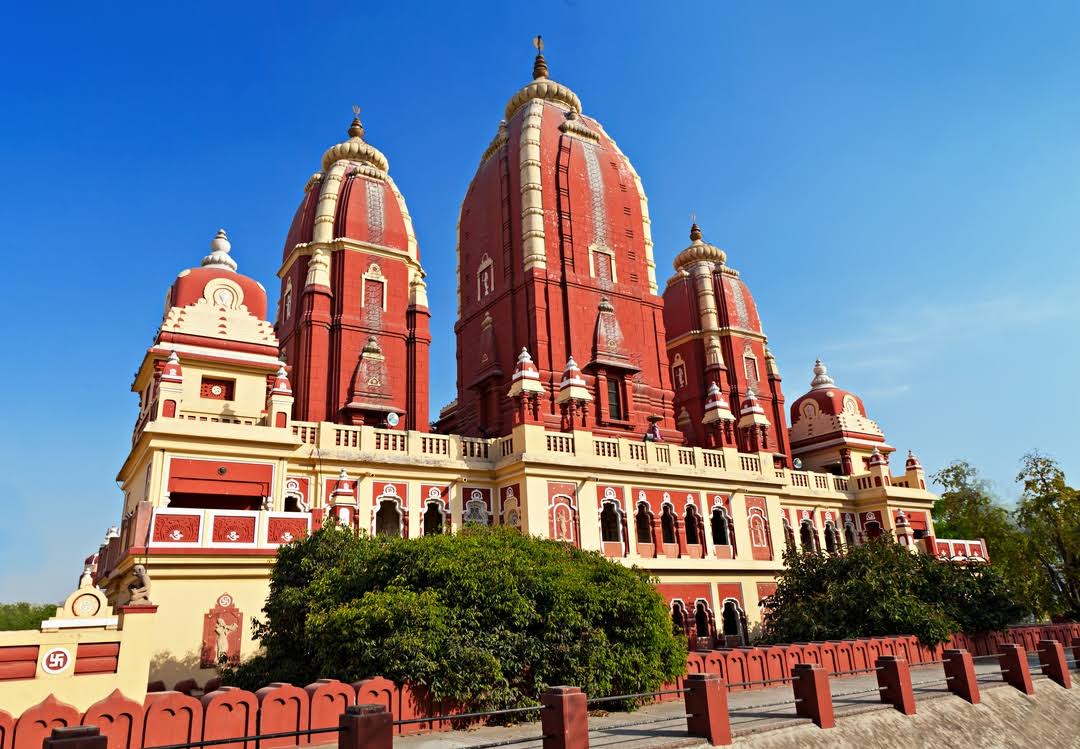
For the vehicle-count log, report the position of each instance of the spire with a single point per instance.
(356, 149)
(876, 458)
(526, 378)
(172, 372)
(695, 232)
(573, 385)
(219, 253)
(281, 382)
(751, 412)
(540, 68)
(716, 406)
(356, 129)
(821, 377)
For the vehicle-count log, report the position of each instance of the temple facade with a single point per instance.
(593, 406)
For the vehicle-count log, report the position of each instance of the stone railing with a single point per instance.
(392, 442)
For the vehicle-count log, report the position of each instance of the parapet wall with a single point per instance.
(190, 714)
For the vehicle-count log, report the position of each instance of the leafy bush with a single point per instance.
(24, 615)
(880, 588)
(486, 617)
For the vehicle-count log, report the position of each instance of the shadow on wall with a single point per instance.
(172, 668)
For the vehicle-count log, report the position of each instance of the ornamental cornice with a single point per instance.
(543, 88)
(355, 149)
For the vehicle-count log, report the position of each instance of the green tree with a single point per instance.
(882, 588)
(968, 509)
(485, 617)
(24, 615)
(1049, 512)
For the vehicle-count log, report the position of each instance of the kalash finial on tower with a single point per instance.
(540, 68)
(219, 253)
(356, 129)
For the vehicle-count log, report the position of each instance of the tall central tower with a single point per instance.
(555, 256)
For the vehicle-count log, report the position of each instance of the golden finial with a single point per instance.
(695, 230)
(540, 68)
(356, 129)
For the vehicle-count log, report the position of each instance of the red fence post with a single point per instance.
(813, 699)
(706, 709)
(1014, 667)
(564, 719)
(75, 737)
(894, 678)
(365, 727)
(960, 674)
(1052, 659)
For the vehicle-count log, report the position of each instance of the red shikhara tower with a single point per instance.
(555, 257)
(353, 318)
(727, 385)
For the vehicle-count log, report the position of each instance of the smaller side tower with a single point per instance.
(727, 384)
(215, 357)
(830, 430)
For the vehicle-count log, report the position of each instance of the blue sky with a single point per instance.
(897, 182)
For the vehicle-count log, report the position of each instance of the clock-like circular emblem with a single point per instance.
(224, 297)
(224, 601)
(86, 605)
(217, 389)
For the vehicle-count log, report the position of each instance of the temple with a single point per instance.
(595, 405)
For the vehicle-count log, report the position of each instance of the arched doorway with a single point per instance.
(388, 518)
(703, 625)
(433, 519)
(732, 623)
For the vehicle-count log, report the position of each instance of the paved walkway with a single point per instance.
(664, 724)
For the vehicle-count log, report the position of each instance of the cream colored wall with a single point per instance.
(184, 588)
(136, 634)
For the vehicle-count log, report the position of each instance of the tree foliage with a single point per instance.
(1049, 513)
(969, 509)
(1036, 547)
(24, 615)
(881, 588)
(485, 617)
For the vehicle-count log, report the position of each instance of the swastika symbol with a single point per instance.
(55, 660)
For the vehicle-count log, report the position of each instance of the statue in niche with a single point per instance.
(222, 632)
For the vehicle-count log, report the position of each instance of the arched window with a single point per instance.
(807, 536)
(643, 521)
(731, 618)
(832, 538)
(433, 519)
(701, 622)
(667, 525)
(721, 527)
(873, 530)
(691, 525)
(614, 397)
(849, 534)
(611, 523)
(678, 617)
(789, 534)
(388, 518)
